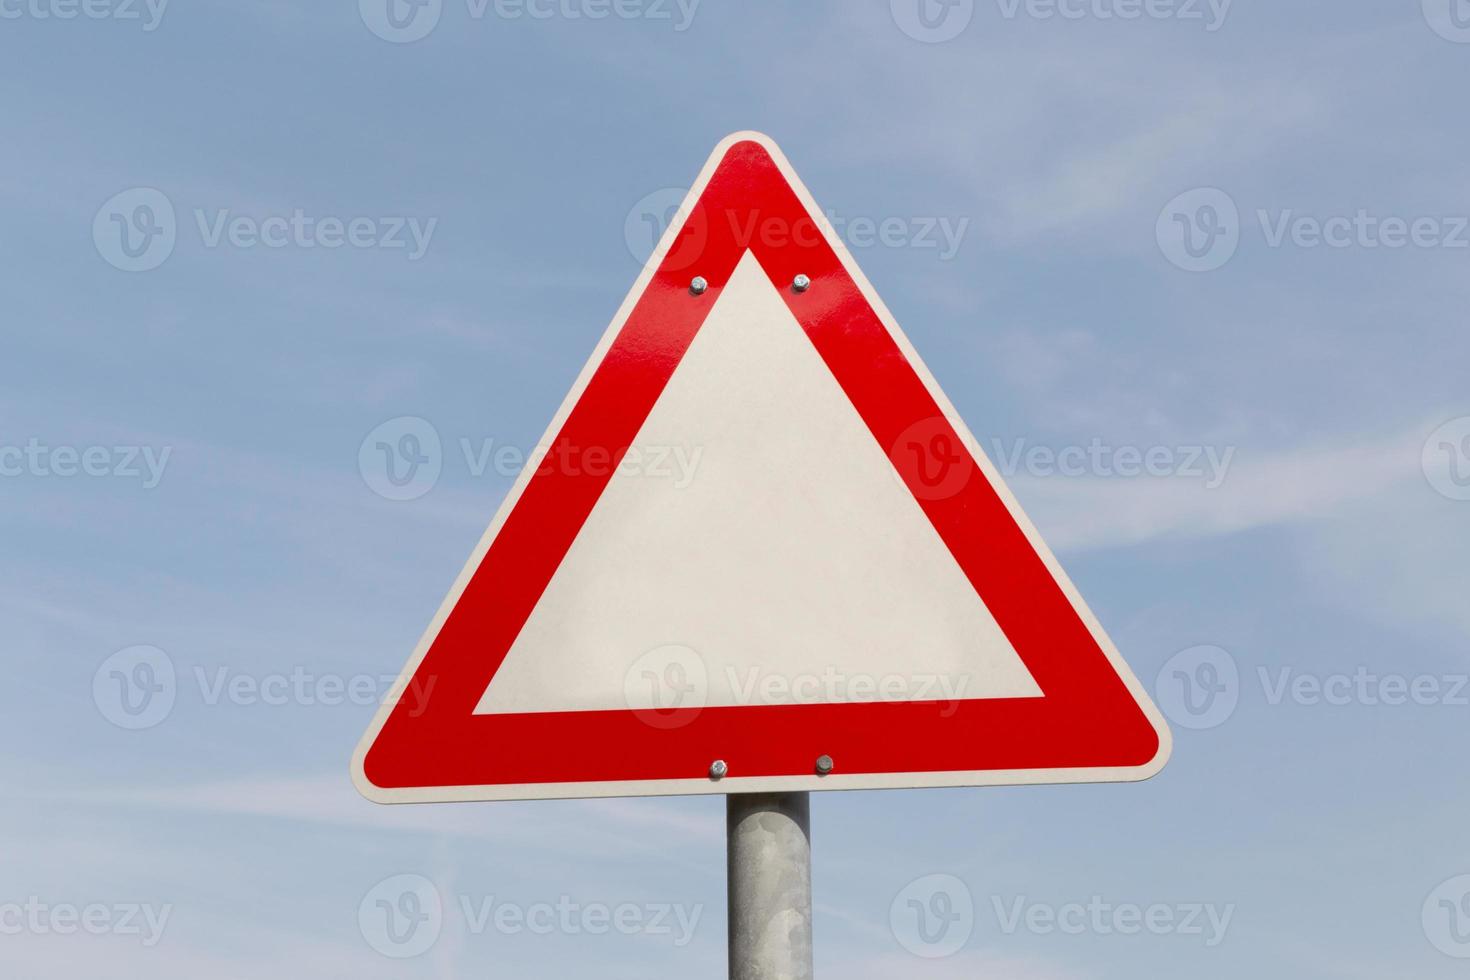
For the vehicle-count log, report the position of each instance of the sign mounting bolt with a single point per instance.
(802, 283)
(824, 765)
(717, 769)
(699, 285)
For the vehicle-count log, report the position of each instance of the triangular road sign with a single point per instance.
(761, 553)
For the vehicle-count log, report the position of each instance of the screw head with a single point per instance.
(824, 765)
(718, 769)
(699, 285)
(802, 283)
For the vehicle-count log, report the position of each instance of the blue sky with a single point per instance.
(1231, 233)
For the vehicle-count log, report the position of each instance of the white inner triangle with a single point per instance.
(761, 551)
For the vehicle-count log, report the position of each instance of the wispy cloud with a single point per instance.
(1283, 487)
(263, 953)
(961, 966)
(578, 826)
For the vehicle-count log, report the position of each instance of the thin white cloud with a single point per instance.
(1129, 134)
(268, 953)
(1368, 532)
(1285, 487)
(1399, 561)
(961, 966)
(590, 826)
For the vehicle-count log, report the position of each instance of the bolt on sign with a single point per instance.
(845, 595)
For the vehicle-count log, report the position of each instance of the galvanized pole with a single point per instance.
(769, 853)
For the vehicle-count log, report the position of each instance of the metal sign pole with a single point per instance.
(769, 853)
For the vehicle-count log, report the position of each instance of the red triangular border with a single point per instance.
(1090, 717)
